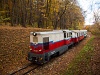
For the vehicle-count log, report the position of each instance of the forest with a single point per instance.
(53, 14)
(20, 17)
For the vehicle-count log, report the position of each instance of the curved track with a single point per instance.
(25, 70)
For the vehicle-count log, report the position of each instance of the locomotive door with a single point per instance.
(64, 37)
(46, 43)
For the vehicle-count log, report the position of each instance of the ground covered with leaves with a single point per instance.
(87, 62)
(82, 59)
(95, 63)
(14, 46)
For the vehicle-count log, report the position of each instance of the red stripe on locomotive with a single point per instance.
(52, 46)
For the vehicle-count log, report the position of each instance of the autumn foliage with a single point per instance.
(55, 14)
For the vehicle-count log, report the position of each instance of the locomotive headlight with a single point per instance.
(30, 49)
(34, 33)
(40, 50)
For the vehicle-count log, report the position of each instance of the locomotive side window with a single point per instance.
(70, 34)
(67, 35)
(46, 43)
(64, 34)
(77, 34)
(35, 39)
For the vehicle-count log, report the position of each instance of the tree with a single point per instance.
(54, 14)
(97, 21)
(31, 12)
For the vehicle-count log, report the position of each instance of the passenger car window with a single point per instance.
(70, 34)
(67, 35)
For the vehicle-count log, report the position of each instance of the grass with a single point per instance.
(81, 64)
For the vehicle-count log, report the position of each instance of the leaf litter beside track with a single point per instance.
(88, 60)
(80, 65)
(14, 46)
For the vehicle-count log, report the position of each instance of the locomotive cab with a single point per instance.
(44, 44)
(36, 48)
(40, 42)
(35, 43)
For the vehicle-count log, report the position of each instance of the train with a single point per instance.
(44, 45)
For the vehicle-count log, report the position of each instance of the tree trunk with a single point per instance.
(23, 5)
(31, 10)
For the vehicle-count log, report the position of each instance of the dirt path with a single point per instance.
(59, 64)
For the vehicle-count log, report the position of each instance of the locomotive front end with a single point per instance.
(36, 51)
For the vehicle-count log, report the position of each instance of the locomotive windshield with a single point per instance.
(35, 39)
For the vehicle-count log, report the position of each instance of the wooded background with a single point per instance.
(55, 14)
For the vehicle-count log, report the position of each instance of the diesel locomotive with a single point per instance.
(44, 45)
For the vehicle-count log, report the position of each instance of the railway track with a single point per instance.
(25, 70)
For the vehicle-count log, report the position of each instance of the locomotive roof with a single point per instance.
(48, 32)
(75, 30)
(57, 31)
(67, 30)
